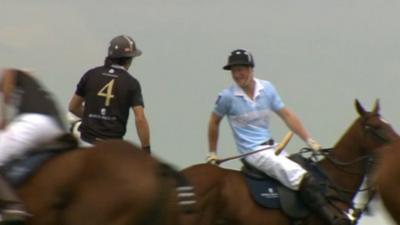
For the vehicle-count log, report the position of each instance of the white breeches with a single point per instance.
(77, 134)
(25, 132)
(84, 144)
(279, 167)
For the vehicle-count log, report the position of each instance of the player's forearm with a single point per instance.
(295, 125)
(143, 131)
(78, 111)
(213, 133)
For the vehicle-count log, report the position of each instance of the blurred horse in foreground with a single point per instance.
(232, 197)
(112, 183)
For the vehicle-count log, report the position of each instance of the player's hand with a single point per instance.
(313, 144)
(212, 158)
(147, 149)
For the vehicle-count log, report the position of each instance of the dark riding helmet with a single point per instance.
(239, 57)
(123, 46)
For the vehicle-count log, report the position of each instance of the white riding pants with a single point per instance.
(84, 144)
(279, 167)
(25, 132)
(77, 134)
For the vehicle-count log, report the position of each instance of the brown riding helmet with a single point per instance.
(123, 46)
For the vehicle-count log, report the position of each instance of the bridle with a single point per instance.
(344, 195)
(369, 129)
(367, 159)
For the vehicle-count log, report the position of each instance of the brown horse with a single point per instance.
(223, 196)
(113, 183)
(388, 179)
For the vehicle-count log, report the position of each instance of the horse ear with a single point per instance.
(377, 106)
(360, 109)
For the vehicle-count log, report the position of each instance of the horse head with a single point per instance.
(371, 129)
(355, 154)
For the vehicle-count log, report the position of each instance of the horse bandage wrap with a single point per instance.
(185, 191)
(186, 198)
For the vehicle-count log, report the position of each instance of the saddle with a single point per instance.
(20, 169)
(270, 193)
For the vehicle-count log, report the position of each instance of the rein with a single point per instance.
(338, 164)
(353, 212)
(219, 161)
(367, 159)
(278, 149)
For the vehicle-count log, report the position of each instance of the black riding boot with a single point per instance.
(313, 198)
(12, 209)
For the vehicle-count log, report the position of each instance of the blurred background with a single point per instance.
(320, 54)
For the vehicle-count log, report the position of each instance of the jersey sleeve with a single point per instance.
(137, 97)
(80, 87)
(276, 101)
(222, 104)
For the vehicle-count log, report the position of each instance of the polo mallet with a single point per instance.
(278, 149)
(283, 143)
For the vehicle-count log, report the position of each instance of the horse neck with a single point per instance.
(347, 149)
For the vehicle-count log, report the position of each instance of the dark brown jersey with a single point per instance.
(109, 92)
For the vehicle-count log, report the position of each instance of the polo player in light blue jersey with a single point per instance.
(248, 104)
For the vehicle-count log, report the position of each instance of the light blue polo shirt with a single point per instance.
(249, 119)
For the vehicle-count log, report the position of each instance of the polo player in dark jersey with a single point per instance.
(105, 94)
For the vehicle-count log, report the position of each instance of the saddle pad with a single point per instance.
(270, 193)
(264, 191)
(17, 171)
